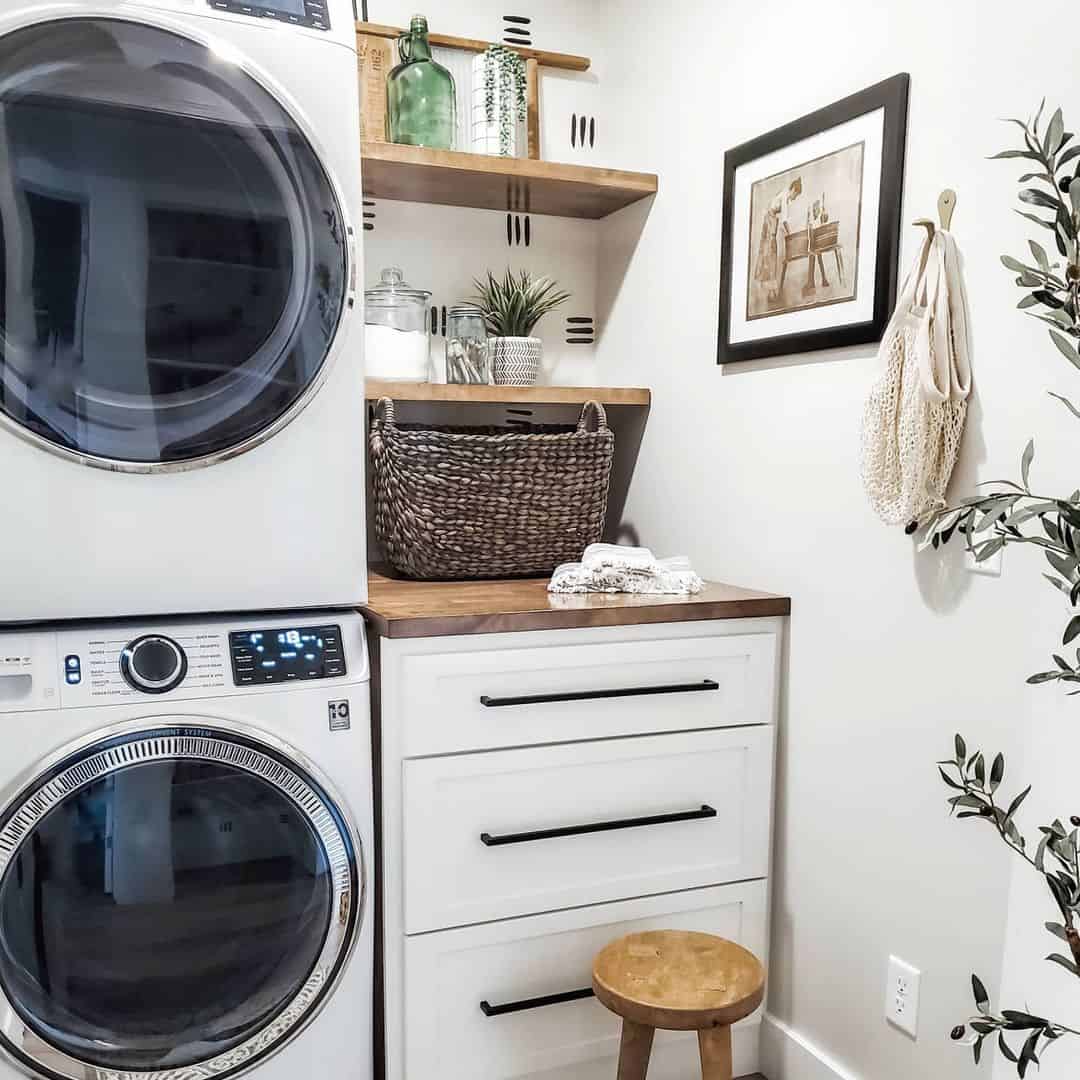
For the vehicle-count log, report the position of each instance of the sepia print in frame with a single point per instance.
(811, 229)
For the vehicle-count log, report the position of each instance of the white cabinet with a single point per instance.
(545, 792)
(516, 832)
(488, 695)
(492, 996)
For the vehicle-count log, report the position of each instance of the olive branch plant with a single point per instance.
(1010, 512)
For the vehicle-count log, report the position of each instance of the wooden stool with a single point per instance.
(677, 980)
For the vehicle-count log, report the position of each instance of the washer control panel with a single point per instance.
(310, 13)
(286, 654)
(154, 664)
(120, 664)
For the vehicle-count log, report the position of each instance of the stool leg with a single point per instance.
(634, 1050)
(715, 1046)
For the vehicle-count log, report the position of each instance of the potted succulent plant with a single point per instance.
(512, 306)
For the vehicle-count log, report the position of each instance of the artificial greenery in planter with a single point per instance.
(504, 94)
(1011, 513)
(512, 306)
(1022, 1037)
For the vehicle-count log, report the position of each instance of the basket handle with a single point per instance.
(385, 406)
(592, 410)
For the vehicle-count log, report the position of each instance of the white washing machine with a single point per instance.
(185, 840)
(181, 383)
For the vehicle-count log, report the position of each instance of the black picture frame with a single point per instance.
(892, 96)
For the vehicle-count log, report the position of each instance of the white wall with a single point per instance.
(752, 470)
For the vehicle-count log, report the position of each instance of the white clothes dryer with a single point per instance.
(181, 379)
(186, 829)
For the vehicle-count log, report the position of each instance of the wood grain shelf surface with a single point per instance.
(565, 61)
(506, 395)
(487, 182)
(410, 609)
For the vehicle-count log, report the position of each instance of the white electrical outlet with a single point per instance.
(902, 996)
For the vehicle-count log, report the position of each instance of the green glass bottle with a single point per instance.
(421, 101)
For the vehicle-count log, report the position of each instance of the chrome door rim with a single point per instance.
(63, 12)
(237, 745)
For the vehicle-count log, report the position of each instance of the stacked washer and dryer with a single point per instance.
(185, 768)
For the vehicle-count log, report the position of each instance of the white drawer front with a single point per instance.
(448, 974)
(453, 804)
(441, 706)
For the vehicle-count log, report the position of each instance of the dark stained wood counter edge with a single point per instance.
(424, 609)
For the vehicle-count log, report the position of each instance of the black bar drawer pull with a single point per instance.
(591, 695)
(534, 1003)
(598, 826)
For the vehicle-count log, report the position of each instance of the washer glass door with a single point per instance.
(173, 264)
(175, 900)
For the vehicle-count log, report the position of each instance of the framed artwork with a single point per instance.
(811, 229)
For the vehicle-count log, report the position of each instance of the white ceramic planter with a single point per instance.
(515, 361)
(484, 137)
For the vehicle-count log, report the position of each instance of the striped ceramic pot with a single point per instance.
(515, 361)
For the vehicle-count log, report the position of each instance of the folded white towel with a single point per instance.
(609, 568)
(613, 556)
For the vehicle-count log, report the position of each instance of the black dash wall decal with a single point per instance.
(518, 230)
(369, 215)
(580, 330)
(519, 418)
(516, 30)
(582, 131)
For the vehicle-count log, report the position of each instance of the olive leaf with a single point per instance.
(1067, 348)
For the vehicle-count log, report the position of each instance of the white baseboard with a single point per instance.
(788, 1055)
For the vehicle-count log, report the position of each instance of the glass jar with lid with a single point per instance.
(467, 357)
(396, 329)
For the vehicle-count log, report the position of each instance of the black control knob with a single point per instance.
(153, 664)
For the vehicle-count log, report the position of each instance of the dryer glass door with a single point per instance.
(177, 901)
(173, 257)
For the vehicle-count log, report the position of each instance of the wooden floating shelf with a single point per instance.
(565, 61)
(451, 178)
(506, 395)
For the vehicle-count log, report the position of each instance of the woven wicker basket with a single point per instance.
(487, 502)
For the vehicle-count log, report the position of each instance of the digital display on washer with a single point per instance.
(299, 12)
(286, 654)
(288, 7)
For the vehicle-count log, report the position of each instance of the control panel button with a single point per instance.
(153, 664)
(72, 670)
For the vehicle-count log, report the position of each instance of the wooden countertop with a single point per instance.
(410, 609)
